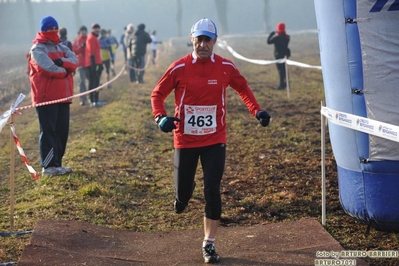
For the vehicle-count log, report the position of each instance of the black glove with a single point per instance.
(93, 69)
(99, 68)
(166, 123)
(58, 62)
(263, 117)
(92, 60)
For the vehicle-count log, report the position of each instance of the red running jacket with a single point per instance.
(92, 48)
(200, 98)
(48, 81)
(79, 47)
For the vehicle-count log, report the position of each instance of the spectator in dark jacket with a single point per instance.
(138, 50)
(281, 50)
(64, 39)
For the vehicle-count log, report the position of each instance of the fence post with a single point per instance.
(12, 176)
(287, 79)
(323, 168)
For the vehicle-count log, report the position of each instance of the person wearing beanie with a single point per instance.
(138, 49)
(94, 64)
(63, 36)
(281, 50)
(200, 81)
(51, 65)
(79, 47)
(47, 23)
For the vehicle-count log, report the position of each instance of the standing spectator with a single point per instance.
(129, 35)
(281, 50)
(114, 45)
(106, 52)
(64, 39)
(200, 80)
(79, 47)
(94, 64)
(122, 43)
(154, 43)
(50, 68)
(139, 49)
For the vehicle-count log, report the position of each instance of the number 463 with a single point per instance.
(200, 121)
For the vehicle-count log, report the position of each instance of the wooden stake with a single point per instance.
(287, 80)
(12, 176)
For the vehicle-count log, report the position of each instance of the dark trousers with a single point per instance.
(212, 160)
(94, 81)
(282, 75)
(54, 131)
(154, 55)
(82, 83)
(132, 71)
(124, 53)
(138, 63)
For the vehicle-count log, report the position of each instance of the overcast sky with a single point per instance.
(243, 17)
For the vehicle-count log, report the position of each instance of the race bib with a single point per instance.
(199, 119)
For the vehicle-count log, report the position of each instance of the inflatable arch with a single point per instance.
(359, 50)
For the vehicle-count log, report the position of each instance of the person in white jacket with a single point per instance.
(154, 45)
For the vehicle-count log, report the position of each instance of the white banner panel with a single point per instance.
(366, 125)
(378, 23)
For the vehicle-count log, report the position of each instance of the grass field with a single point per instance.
(272, 174)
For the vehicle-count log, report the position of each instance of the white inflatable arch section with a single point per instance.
(359, 50)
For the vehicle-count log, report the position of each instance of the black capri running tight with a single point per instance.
(212, 160)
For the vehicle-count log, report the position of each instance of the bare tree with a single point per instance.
(221, 9)
(31, 21)
(179, 16)
(267, 16)
(76, 11)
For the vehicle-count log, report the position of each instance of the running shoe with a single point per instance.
(209, 253)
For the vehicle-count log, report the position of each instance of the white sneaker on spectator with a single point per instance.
(52, 170)
(67, 169)
(100, 104)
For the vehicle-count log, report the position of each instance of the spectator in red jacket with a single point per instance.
(79, 47)
(94, 64)
(50, 68)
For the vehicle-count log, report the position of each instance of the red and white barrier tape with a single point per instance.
(73, 96)
(5, 117)
(22, 153)
(223, 44)
(145, 66)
